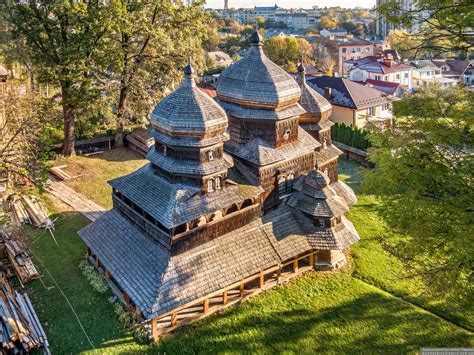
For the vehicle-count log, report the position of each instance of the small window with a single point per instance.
(385, 78)
(210, 155)
(321, 223)
(344, 50)
(377, 77)
(210, 185)
(359, 49)
(371, 111)
(397, 76)
(287, 134)
(406, 75)
(353, 50)
(218, 183)
(386, 107)
(367, 50)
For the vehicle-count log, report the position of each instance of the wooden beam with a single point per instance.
(261, 279)
(154, 329)
(205, 306)
(278, 274)
(174, 318)
(97, 261)
(295, 265)
(225, 297)
(311, 260)
(107, 275)
(242, 288)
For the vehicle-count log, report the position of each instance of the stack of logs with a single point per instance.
(19, 258)
(27, 210)
(139, 141)
(20, 328)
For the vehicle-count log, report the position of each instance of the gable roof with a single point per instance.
(349, 93)
(457, 67)
(375, 64)
(384, 86)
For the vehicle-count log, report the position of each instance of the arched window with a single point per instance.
(210, 185)
(287, 134)
(321, 223)
(218, 183)
(211, 154)
(289, 182)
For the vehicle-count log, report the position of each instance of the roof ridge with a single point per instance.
(349, 92)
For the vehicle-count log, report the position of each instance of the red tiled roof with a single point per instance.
(209, 91)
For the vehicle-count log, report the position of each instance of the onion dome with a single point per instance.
(315, 104)
(189, 112)
(256, 81)
(314, 197)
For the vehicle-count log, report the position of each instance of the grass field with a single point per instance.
(345, 312)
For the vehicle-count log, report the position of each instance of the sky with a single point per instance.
(291, 3)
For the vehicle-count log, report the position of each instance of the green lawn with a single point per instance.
(332, 312)
(92, 173)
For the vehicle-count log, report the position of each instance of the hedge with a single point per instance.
(349, 135)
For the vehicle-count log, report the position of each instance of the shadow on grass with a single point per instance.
(371, 322)
(121, 154)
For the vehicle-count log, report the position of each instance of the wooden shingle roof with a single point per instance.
(158, 282)
(257, 81)
(189, 111)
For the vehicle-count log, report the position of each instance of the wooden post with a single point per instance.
(278, 274)
(205, 306)
(107, 275)
(295, 265)
(96, 261)
(311, 260)
(225, 297)
(89, 252)
(261, 279)
(242, 288)
(174, 318)
(126, 299)
(154, 329)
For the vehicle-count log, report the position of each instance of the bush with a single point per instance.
(130, 323)
(96, 280)
(349, 135)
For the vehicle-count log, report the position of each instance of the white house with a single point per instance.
(426, 72)
(380, 69)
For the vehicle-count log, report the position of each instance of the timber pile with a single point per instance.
(20, 328)
(59, 173)
(139, 141)
(19, 258)
(36, 211)
(19, 215)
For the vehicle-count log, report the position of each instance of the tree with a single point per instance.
(153, 41)
(327, 22)
(444, 26)
(287, 51)
(423, 175)
(64, 41)
(22, 123)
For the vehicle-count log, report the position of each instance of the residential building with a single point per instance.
(383, 26)
(220, 59)
(456, 69)
(425, 72)
(380, 69)
(334, 33)
(352, 48)
(354, 104)
(236, 196)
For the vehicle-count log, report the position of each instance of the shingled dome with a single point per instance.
(313, 102)
(258, 82)
(188, 111)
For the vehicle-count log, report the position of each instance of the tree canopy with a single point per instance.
(287, 51)
(439, 26)
(423, 173)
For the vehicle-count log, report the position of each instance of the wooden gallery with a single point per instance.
(241, 193)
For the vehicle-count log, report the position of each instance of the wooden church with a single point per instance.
(240, 193)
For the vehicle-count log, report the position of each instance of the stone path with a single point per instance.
(79, 202)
